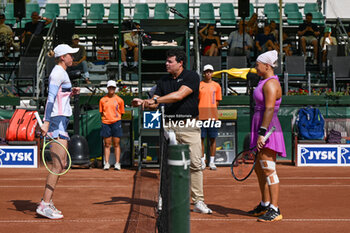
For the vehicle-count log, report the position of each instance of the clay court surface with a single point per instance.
(93, 200)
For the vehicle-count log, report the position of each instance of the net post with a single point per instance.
(179, 188)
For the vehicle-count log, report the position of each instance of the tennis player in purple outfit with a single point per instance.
(268, 97)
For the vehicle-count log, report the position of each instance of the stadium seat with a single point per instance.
(76, 16)
(50, 15)
(290, 8)
(273, 16)
(215, 61)
(10, 19)
(236, 62)
(295, 73)
(270, 7)
(54, 8)
(114, 13)
(161, 11)
(341, 70)
(30, 8)
(251, 10)
(97, 8)
(182, 8)
(311, 8)
(206, 13)
(77, 7)
(141, 11)
(94, 18)
(294, 18)
(318, 18)
(227, 14)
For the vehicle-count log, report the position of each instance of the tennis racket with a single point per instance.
(244, 163)
(47, 160)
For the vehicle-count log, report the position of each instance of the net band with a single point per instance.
(180, 163)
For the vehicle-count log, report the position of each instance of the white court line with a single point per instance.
(94, 220)
(281, 185)
(206, 185)
(211, 178)
(288, 178)
(67, 186)
(283, 220)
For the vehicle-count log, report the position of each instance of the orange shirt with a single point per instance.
(111, 109)
(209, 93)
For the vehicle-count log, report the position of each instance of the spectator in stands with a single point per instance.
(327, 39)
(210, 42)
(6, 37)
(235, 42)
(209, 97)
(265, 41)
(273, 30)
(308, 32)
(79, 62)
(131, 43)
(252, 25)
(35, 26)
(287, 45)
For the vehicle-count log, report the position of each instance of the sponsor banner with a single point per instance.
(18, 157)
(323, 155)
(151, 119)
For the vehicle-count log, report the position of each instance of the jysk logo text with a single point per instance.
(325, 155)
(18, 156)
(151, 120)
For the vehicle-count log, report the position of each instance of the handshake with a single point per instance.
(147, 103)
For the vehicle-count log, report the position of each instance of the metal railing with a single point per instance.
(42, 60)
(342, 36)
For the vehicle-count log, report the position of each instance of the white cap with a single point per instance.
(64, 49)
(208, 67)
(269, 58)
(111, 83)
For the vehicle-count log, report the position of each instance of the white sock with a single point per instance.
(86, 74)
(274, 207)
(125, 63)
(203, 159)
(135, 63)
(212, 159)
(265, 203)
(45, 203)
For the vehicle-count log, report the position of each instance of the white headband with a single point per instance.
(269, 58)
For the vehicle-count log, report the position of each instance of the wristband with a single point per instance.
(262, 131)
(155, 100)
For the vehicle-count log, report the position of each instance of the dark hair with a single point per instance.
(179, 55)
(308, 14)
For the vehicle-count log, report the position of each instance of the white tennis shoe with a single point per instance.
(48, 211)
(201, 207)
(107, 166)
(117, 166)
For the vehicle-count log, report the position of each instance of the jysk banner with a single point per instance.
(323, 155)
(18, 157)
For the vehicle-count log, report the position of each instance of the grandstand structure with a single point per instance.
(100, 26)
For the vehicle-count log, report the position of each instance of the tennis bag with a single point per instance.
(310, 123)
(22, 126)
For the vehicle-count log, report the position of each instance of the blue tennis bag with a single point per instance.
(310, 123)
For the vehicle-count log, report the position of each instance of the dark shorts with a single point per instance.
(58, 127)
(112, 130)
(211, 132)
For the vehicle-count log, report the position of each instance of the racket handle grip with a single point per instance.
(269, 133)
(36, 114)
